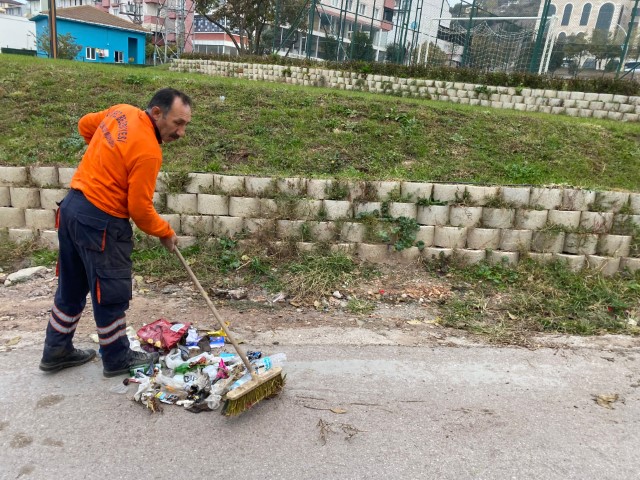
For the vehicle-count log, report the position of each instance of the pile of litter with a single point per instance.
(194, 370)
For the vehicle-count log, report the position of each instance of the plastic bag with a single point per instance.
(163, 334)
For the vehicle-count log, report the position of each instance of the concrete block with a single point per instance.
(573, 199)
(450, 237)
(5, 197)
(39, 219)
(186, 241)
(373, 253)
(13, 176)
(305, 247)
(483, 238)
(443, 192)
(569, 219)
(213, 204)
(612, 201)
(547, 241)
(49, 239)
(306, 209)
(509, 258)
(382, 189)
(425, 235)
(260, 186)
(246, 207)
(196, 225)
(630, 264)
(260, 226)
(159, 201)
(65, 174)
(173, 219)
(322, 231)
(530, 219)
(580, 243)
(318, 189)
(292, 186)
(435, 253)
(398, 209)
(515, 240)
(542, 258)
(498, 217)
(161, 182)
(268, 208)
(596, 222)
(21, 235)
(460, 216)
(337, 209)
(433, 215)
(22, 197)
(546, 198)
(470, 257)
(228, 184)
(344, 248)
(575, 263)
(480, 195)
(416, 190)
(289, 229)
(614, 245)
(44, 176)
(366, 207)
(199, 182)
(353, 232)
(634, 203)
(607, 266)
(227, 226)
(182, 203)
(12, 217)
(405, 257)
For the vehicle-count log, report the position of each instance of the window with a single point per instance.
(604, 17)
(566, 16)
(376, 13)
(334, 3)
(90, 53)
(586, 12)
(362, 9)
(350, 5)
(118, 57)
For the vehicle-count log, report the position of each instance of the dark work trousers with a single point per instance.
(94, 256)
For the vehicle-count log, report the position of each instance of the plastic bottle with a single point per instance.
(267, 363)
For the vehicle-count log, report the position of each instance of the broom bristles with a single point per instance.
(246, 396)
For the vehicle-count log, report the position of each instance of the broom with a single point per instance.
(261, 386)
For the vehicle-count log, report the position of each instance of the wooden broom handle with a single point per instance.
(215, 314)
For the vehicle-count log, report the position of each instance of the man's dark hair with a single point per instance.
(164, 99)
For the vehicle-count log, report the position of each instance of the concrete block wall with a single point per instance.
(577, 104)
(587, 229)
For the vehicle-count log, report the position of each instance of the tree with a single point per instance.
(67, 46)
(575, 48)
(249, 18)
(362, 47)
(395, 53)
(603, 46)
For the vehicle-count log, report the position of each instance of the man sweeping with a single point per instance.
(114, 182)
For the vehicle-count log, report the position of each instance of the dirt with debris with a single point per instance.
(405, 313)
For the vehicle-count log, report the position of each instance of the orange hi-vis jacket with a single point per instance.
(118, 171)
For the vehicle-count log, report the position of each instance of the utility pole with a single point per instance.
(627, 40)
(53, 30)
(312, 12)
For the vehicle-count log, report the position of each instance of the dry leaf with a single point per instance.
(511, 316)
(414, 322)
(338, 410)
(606, 400)
(12, 341)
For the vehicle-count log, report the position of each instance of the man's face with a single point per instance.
(173, 125)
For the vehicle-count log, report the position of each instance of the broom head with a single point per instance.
(264, 385)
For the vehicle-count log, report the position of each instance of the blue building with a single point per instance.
(104, 38)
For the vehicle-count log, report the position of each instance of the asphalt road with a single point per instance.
(466, 412)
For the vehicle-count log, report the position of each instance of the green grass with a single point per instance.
(509, 304)
(276, 129)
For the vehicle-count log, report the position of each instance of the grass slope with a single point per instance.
(277, 129)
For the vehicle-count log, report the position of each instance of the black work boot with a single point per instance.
(133, 359)
(65, 360)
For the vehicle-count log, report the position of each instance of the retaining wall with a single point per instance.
(575, 104)
(587, 229)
